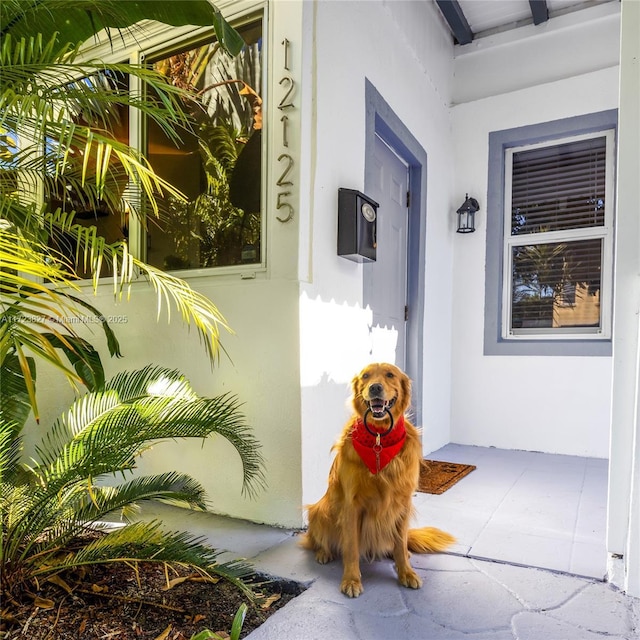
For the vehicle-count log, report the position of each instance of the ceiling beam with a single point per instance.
(454, 15)
(539, 11)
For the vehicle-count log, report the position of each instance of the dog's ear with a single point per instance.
(405, 383)
(356, 394)
(355, 385)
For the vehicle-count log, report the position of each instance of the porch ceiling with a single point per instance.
(470, 19)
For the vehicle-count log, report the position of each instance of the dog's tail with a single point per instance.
(429, 540)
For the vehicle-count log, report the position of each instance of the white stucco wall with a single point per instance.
(259, 364)
(403, 49)
(553, 404)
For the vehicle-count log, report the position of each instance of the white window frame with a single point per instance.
(604, 232)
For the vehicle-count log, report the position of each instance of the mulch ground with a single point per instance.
(122, 603)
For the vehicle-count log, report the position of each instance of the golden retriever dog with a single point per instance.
(366, 510)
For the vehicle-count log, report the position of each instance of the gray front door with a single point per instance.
(385, 281)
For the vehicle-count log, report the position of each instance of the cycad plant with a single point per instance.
(58, 130)
(82, 473)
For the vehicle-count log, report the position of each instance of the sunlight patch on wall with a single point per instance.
(384, 341)
(338, 339)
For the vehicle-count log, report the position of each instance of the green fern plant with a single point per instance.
(82, 472)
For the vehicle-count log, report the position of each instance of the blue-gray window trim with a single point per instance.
(381, 120)
(499, 142)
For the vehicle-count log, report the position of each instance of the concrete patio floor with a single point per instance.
(497, 596)
(526, 508)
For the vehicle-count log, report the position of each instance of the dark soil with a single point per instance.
(122, 603)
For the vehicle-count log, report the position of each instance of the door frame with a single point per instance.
(382, 121)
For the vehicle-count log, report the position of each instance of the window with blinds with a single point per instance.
(558, 238)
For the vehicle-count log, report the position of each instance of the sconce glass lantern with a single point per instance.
(467, 215)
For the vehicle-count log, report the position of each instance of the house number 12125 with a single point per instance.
(284, 181)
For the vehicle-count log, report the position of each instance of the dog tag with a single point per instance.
(377, 448)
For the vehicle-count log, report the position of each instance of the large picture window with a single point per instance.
(216, 164)
(558, 238)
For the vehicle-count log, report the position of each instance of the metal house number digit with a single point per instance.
(286, 103)
(282, 180)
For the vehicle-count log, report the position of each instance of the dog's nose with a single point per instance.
(375, 390)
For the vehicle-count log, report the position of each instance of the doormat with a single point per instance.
(436, 477)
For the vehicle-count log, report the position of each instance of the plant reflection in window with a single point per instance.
(219, 169)
(556, 284)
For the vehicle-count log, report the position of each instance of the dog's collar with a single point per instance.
(377, 451)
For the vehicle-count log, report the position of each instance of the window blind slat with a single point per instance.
(558, 188)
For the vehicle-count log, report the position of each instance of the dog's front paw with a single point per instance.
(322, 556)
(410, 579)
(351, 587)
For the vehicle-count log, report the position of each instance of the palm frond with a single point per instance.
(14, 399)
(43, 88)
(151, 381)
(10, 450)
(147, 542)
(55, 514)
(103, 432)
(29, 314)
(98, 318)
(195, 308)
(45, 508)
(44, 325)
(24, 524)
(16, 500)
(77, 20)
(84, 358)
(60, 133)
(23, 260)
(171, 487)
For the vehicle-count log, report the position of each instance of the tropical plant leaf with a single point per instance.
(14, 399)
(47, 506)
(147, 542)
(10, 452)
(23, 258)
(104, 432)
(77, 20)
(112, 342)
(194, 308)
(41, 320)
(46, 91)
(84, 358)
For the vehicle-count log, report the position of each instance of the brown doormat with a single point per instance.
(436, 477)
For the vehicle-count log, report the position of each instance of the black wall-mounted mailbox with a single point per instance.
(357, 221)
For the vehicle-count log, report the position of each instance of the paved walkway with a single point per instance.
(462, 598)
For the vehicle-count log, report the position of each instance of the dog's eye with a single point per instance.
(389, 374)
(365, 376)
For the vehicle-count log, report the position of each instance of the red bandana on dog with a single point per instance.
(377, 451)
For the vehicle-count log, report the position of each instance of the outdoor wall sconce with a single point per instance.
(357, 224)
(467, 215)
